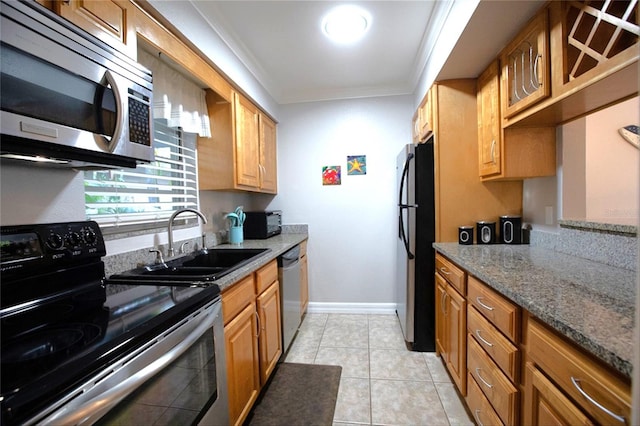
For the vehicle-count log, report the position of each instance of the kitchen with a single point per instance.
(335, 211)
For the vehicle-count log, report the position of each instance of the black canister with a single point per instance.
(486, 232)
(511, 229)
(465, 235)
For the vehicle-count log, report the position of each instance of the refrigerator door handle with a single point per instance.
(401, 233)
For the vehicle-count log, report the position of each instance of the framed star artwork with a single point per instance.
(356, 164)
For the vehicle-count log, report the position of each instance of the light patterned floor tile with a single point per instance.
(386, 336)
(354, 361)
(456, 412)
(436, 368)
(346, 335)
(395, 402)
(398, 364)
(382, 383)
(353, 404)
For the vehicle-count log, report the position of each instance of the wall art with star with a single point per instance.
(356, 164)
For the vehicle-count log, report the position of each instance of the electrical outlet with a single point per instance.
(548, 215)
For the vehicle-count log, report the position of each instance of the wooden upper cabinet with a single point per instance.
(489, 128)
(593, 63)
(511, 153)
(241, 154)
(268, 155)
(423, 119)
(247, 143)
(592, 39)
(525, 67)
(109, 20)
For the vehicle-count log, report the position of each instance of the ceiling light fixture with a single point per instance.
(346, 24)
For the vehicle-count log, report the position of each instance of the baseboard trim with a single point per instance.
(351, 308)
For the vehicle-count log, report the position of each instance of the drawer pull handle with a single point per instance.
(483, 340)
(487, 384)
(487, 307)
(576, 383)
(257, 323)
(443, 303)
(444, 270)
(475, 414)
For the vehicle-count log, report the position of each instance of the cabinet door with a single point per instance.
(547, 405)
(489, 128)
(247, 143)
(304, 284)
(441, 317)
(109, 20)
(457, 338)
(270, 334)
(268, 155)
(593, 39)
(241, 347)
(525, 67)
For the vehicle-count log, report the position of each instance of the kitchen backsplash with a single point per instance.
(613, 245)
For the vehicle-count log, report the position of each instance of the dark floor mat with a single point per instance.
(299, 394)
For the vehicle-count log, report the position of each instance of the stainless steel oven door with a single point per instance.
(180, 373)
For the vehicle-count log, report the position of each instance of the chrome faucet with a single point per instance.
(171, 252)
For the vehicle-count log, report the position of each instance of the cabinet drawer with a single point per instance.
(501, 312)
(235, 298)
(266, 275)
(498, 347)
(492, 382)
(451, 273)
(548, 405)
(605, 397)
(480, 408)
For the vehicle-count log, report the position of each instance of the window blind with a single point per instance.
(147, 195)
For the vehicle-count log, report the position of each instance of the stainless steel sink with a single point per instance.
(202, 266)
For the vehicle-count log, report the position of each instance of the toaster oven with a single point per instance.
(262, 224)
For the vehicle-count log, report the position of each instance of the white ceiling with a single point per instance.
(281, 44)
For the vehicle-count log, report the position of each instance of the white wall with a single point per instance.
(352, 226)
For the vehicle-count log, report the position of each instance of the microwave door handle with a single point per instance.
(107, 142)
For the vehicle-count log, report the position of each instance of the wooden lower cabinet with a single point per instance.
(253, 337)
(480, 408)
(451, 321)
(270, 334)
(547, 405)
(497, 388)
(591, 388)
(243, 380)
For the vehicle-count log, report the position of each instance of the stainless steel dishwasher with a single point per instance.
(289, 277)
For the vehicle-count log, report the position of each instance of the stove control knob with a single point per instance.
(90, 236)
(73, 239)
(55, 242)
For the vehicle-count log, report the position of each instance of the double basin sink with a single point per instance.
(204, 266)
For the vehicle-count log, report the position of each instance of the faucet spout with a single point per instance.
(171, 251)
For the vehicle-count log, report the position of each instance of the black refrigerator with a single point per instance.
(415, 281)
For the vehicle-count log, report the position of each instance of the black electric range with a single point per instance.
(59, 327)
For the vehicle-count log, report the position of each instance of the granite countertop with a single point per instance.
(590, 303)
(278, 245)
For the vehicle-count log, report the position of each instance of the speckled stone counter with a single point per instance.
(590, 303)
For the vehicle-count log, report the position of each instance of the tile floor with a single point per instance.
(382, 382)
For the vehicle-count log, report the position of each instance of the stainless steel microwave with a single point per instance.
(68, 98)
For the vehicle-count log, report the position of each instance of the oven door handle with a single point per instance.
(109, 395)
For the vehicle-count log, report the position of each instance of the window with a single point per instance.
(149, 194)
(145, 197)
